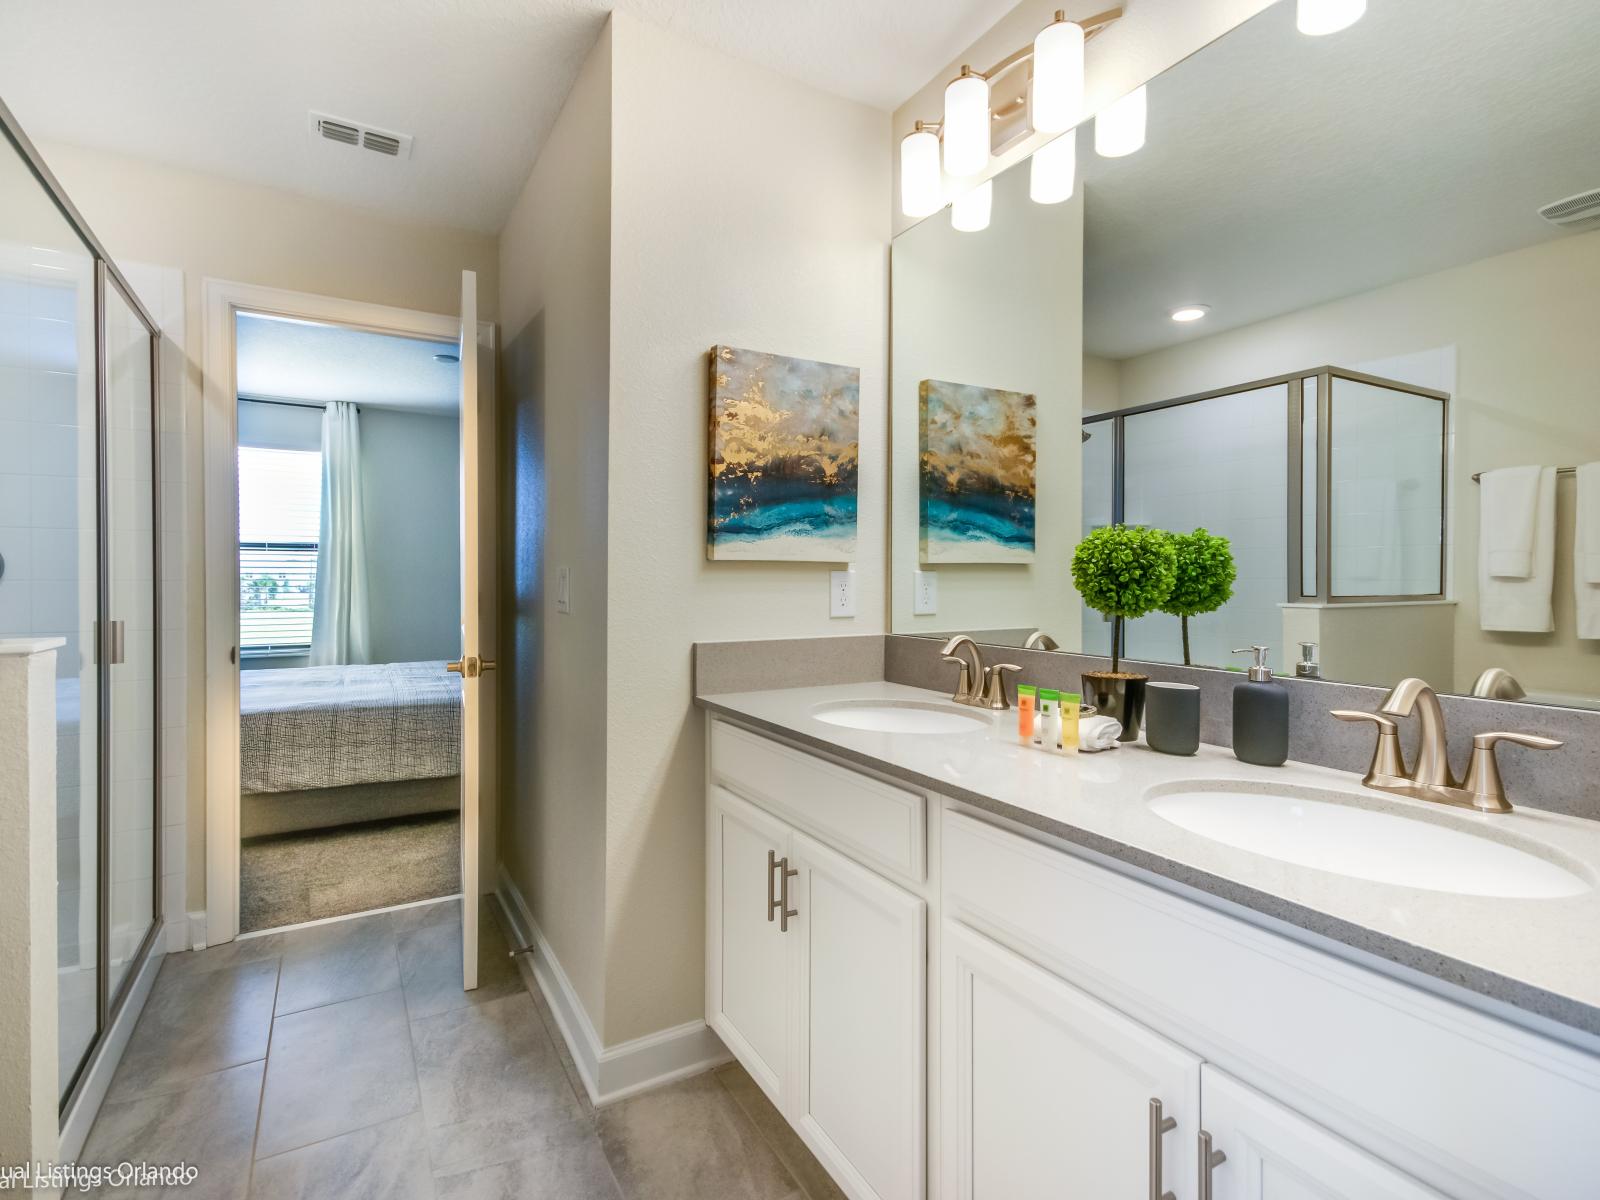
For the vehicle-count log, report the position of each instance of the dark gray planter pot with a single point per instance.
(1119, 695)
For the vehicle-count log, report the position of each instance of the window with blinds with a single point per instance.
(280, 515)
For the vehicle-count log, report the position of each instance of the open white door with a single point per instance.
(471, 666)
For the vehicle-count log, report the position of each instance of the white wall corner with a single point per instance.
(609, 1073)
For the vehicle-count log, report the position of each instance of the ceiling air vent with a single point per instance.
(1585, 206)
(383, 143)
(359, 136)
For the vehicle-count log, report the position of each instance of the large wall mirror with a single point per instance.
(1379, 314)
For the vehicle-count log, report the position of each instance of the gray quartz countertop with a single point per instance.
(1540, 957)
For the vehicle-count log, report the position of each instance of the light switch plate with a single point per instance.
(841, 593)
(924, 593)
(564, 589)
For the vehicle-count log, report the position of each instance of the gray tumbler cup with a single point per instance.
(1172, 717)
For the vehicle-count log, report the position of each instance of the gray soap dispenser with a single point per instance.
(1260, 715)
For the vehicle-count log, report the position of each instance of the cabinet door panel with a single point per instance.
(1276, 1154)
(1047, 1091)
(749, 994)
(860, 1061)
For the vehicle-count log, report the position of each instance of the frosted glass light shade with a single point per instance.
(1119, 129)
(921, 187)
(1057, 77)
(970, 211)
(966, 125)
(1319, 17)
(1053, 172)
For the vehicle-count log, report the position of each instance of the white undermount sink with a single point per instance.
(1311, 828)
(899, 716)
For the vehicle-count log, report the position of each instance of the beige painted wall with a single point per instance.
(555, 297)
(1152, 36)
(1527, 370)
(746, 208)
(211, 227)
(1000, 308)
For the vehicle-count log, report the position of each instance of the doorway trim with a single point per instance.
(221, 302)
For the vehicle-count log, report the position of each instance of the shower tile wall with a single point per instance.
(1220, 464)
(47, 539)
(1385, 492)
(161, 289)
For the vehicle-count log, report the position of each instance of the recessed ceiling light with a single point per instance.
(1190, 312)
(446, 358)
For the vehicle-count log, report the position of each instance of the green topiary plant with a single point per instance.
(1124, 571)
(1205, 578)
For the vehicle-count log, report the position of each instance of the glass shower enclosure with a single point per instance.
(78, 561)
(1328, 483)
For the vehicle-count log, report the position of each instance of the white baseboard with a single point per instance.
(609, 1073)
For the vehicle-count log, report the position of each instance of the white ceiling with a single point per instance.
(225, 86)
(301, 360)
(1284, 171)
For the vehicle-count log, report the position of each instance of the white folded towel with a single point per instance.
(1522, 605)
(1098, 733)
(1586, 551)
(1508, 500)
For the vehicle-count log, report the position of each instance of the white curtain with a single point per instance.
(339, 632)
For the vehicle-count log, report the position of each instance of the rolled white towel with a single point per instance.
(1098, 733)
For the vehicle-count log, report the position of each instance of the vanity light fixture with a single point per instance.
(1053, 171)
(1057, 99)
(970, 211)
(921, 186)
(1048, 98)
(1189, 312)
(1318, 17)
(966, 124)
(1119, 128)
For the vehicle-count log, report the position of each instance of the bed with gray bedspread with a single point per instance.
(323, 727)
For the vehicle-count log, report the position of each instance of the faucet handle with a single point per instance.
(964, 686)
(995, 693)
(1384, 724)
(1388, 761)
(1488, 790)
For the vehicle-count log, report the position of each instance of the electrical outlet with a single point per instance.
(842, 593)
(563, 589)
(924, 593)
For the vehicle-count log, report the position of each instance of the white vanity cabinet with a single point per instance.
(816, 966)
(1070, 998)
(1049, 1094)
(1273, 1153)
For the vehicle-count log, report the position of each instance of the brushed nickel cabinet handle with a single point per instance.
(773, 903)
(1210, 1160)
(1159, 1125)
(119, 643)
(786, 912)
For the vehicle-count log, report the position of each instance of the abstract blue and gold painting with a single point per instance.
(784, 458)
(977, 474)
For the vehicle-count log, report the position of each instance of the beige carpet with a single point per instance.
(294, 877)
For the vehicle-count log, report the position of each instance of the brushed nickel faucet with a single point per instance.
(977, 685)
(969, 685)
(1431, 778)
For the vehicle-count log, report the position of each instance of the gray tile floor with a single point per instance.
(345, 1061)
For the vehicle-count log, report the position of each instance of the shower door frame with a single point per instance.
(1294, 383)
(109, 1005)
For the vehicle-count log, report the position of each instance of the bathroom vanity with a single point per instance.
(965, 968)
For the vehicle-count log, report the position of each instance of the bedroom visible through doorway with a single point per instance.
(349, 584)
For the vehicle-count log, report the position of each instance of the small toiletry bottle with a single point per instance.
(1069, 721)
(1027, 695)
(1049, 712)
(1260, 715)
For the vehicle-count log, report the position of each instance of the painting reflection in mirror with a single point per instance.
(978, 462)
